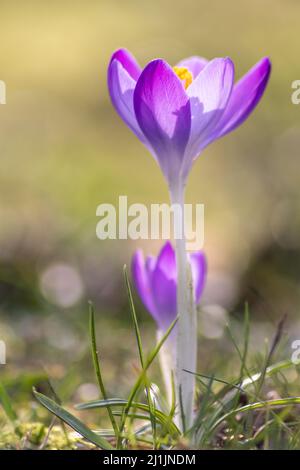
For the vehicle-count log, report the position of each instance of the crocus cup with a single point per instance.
(176, 112)
(155, 279)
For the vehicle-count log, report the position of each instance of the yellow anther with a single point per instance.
(184, 74)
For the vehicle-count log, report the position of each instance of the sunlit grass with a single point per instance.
(232, 413)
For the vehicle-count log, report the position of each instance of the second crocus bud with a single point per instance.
(155, 279)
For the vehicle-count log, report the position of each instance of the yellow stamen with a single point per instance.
(184, 74)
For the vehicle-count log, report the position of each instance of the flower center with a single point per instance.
(184, 75)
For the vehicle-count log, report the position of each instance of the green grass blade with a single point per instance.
(271, 370)
(7, 406)
(227, 401)
(204, 404)
(215, 379)
(173, 400)
(134, 317)
(141, 353)
(96, 363)
(140, 379)
(130, 402)
(159, 415)
(281, 402)
(157, 348)
(275, 342)
(101, 403)
(246, 341)
(241, 355)
(72, 421)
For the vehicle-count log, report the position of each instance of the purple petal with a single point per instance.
(128, 61)
(164, 289)
(166, 261)
(209, 94)
(121, 86)
(156, 282)
(150, 265)
(193, 64)
(163, 112)
(245, 96)
(199, 268)
(142, 282)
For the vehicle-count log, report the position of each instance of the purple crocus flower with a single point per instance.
(176, 112)
(156, 282)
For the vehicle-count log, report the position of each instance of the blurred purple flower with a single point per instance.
(156, 282)
(177, 112)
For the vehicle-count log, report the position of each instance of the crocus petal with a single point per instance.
(164, 294)
(129, 63)
(163, 113)
(193, 64)
(150, 265)
(209, 95)
(156, 282)
(163, 280)
(121, 86)
(142, 282)
(199, 268)
(164, 286)
(166, 261)
(245, 96)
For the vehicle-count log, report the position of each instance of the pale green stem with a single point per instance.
(167, 363)
(186, 346)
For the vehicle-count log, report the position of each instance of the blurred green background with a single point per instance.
(64, 150)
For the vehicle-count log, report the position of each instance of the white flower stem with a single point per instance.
(167, 362)
(186, 343)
